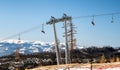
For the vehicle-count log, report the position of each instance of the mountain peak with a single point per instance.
(9, 46)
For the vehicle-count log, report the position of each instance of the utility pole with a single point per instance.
(72, 32)
(53, 21)
(69, 35)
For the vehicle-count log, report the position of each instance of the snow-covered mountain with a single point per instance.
(9, 46)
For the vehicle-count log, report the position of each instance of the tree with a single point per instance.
(112, 59)
(102, 59)
(117, 59)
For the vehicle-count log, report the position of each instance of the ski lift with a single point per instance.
(93, 23)
(43, 29)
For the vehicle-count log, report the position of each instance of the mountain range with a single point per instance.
(25, 47)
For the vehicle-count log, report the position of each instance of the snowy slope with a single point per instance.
(10, 46)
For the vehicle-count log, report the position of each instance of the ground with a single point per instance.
(76, 66)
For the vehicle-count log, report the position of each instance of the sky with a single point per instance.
(20, 15)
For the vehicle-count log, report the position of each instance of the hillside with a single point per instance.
(35, 54)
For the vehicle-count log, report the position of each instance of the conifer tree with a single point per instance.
(112, 59)
(117, 59)
(102, 59)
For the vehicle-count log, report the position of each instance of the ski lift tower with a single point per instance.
(64, 19)
(53, 21)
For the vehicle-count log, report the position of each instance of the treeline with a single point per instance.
(85, 55)
(96, 54)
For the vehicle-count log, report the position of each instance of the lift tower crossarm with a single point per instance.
(52, 20)
(65, 18)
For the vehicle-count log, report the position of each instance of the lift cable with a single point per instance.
(23, 32)
(96, 15)
(37, 27)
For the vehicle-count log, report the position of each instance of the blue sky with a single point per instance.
(19, 15)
